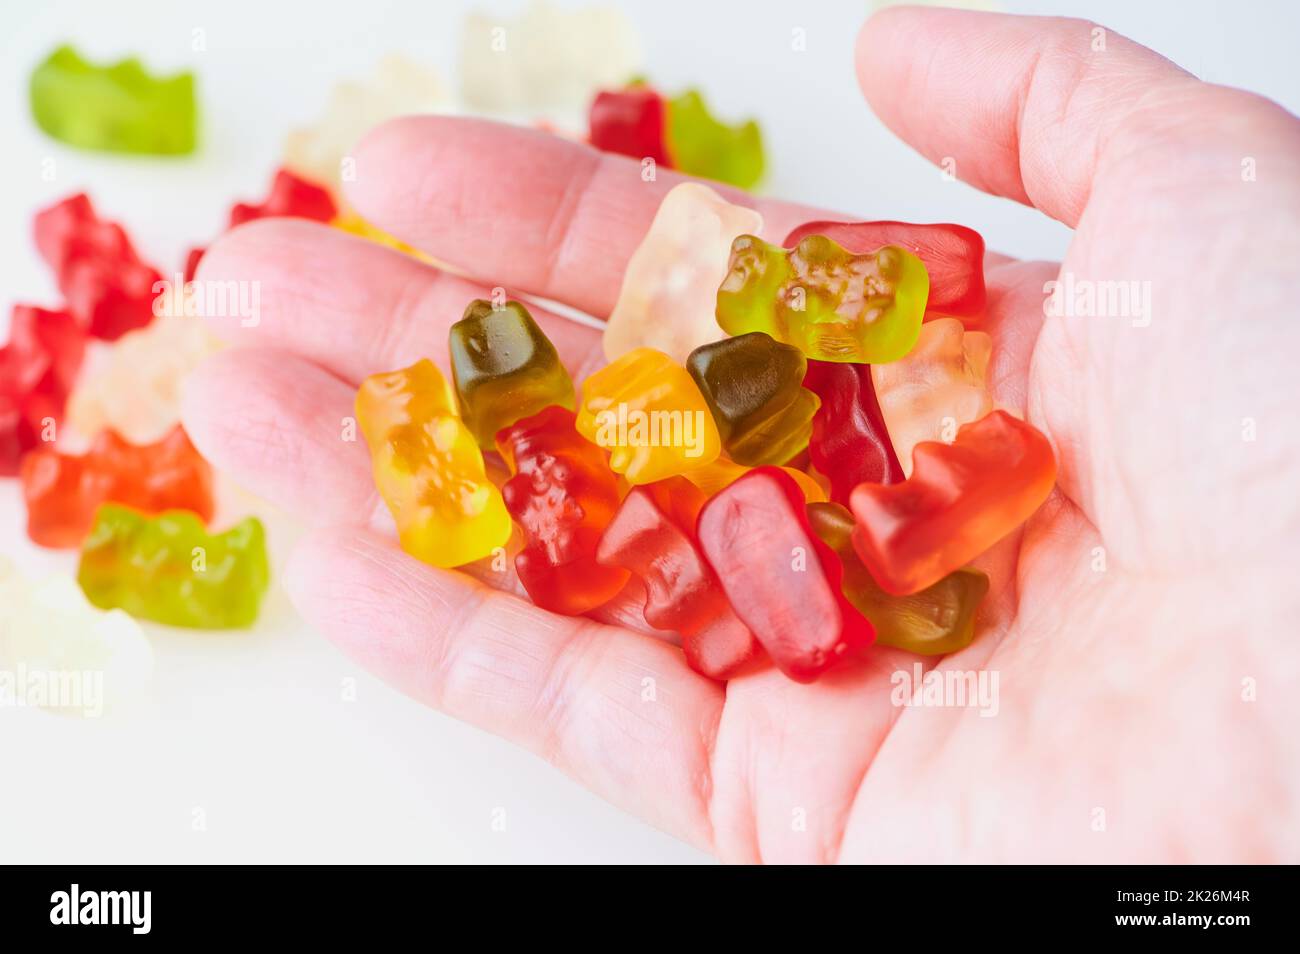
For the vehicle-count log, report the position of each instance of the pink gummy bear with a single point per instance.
(935, 388)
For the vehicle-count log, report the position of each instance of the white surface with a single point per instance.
(252, 730)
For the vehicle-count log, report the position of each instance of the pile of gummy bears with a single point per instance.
(90, 390)
(793, 448)
(703, 464)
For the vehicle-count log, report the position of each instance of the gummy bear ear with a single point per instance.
(522, 208)
(1026, 112)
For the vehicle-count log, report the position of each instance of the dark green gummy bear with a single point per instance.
(754, 386)
(504, 368)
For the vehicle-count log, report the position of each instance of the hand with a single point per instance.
(1132, 626)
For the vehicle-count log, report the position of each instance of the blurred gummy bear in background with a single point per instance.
(58, 652)
(545, 58)
(320, 152)
(118, 108)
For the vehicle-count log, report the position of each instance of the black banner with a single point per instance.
(136, 904)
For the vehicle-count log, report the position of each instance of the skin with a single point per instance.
(1147, 703)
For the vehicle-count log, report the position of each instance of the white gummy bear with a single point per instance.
(135, 386)
(400, 87)
(670, 288)
(60, 653)
(546, 58)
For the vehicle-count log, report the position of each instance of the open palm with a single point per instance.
(1139, 626)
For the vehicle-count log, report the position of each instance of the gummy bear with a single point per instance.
(830, 303)
(646, 410)
(504, 368)
(108, 289)
(677, 133)
(136, 388)
(37, 367)
(50, 627)
(629, 122)
(545, 58)
(782, 580)
(354, 224)
(563, 495)
(192, 259)
(700, 145)
(953, 256)
(671, 282)
(63, 492)
(429, 469)
(938, 619)
(960, 500)
(754, 386)
(936, 387)
(118, 108)
(290, 196)
(653, 535)
(850, 443)
(400, 87)
(169, 569)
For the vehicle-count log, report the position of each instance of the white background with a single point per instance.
(251, 729)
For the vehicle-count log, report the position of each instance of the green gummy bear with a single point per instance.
(828, 302)
(754, 387)
(939, 619)
(504, 369)
(118, 108)
(169, 569)
(701, 146)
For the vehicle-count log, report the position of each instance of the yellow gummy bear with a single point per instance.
(646, 410)
(429, 469)
(354, 224)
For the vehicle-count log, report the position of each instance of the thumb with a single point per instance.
(1023, 107)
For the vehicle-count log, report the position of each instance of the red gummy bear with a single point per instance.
(563, 495)
(291, 196)
(653, 535)
(961, 499)
(953, 256)
(192, 259)
(37, 368)
(108, 289)
(63, 492)
(630, 122)
(850, 443)
(781, 579)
